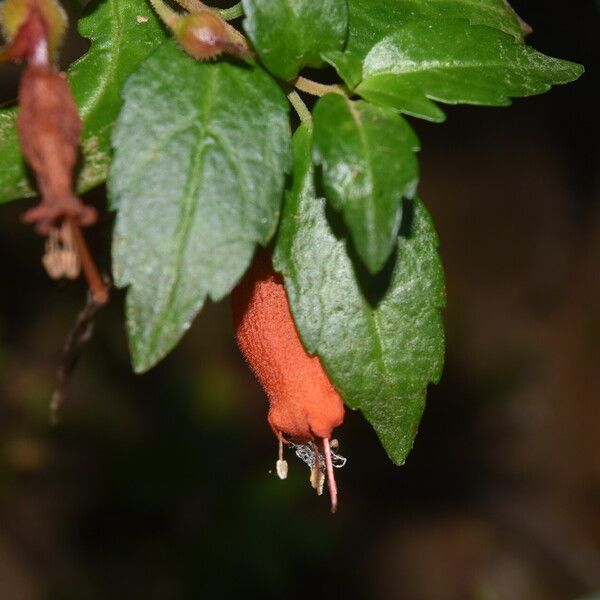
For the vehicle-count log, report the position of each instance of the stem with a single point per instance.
(225, 13)
(234, 12)
(79, 335)
(40, 53)
(318, 89)
(166, 14)
(236, 36)
(299, 106)
(98, 289)
(194, 5)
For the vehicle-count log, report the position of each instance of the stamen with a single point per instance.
(68, 254)
(330, 476)
(281, 466)
(317, 477)
(51, 258)
(321, 463)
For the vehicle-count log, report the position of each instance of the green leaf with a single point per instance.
(348, 66)
(368, 165)
(119, 45)
(201, 150)
(380, 339)
(370, 21)
(13, 177)
(293, 34)
(454, 62)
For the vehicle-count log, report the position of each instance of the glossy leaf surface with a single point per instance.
(455, 62)
(367, 166)
(119, 44)
(197, 182)
(293, 34)
(380, 338)
(372, 20)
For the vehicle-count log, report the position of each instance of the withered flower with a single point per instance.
(49, 127)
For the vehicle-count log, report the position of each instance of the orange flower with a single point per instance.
(304, 405)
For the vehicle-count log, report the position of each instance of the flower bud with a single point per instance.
(203, 35)
(19, 20)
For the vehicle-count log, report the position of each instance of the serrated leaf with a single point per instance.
(293, 34)
(368, 165)
(455, 62)
(370, 21)
(201, 150)
(119, 44)
(380, 339)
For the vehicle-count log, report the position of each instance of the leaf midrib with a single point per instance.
(189, 203)
(431, 66)
(356, 116)
(297, 36)
(371, 320)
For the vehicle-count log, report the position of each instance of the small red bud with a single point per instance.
(204, 36)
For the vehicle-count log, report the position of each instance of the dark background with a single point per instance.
(161, 486)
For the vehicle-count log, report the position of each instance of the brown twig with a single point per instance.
(79, 335)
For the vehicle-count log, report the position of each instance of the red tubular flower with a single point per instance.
(304, 405)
